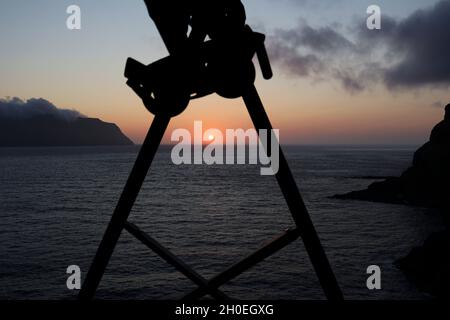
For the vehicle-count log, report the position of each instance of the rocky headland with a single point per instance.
(426, 183)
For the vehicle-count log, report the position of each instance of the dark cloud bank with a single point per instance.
(409, 53)
(16, 108)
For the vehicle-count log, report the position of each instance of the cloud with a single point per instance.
(348, 82)
(424, 39)
(294, 62)
(317, 53)
(16, 108)
(409, 53)
(320, 39)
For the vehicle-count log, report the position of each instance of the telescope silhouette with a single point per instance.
(211, 50)
(196, 68)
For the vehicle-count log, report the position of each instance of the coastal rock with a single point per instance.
(428, 266)
(426, 183)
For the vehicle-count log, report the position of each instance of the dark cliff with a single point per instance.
(48, 130)
(426, 183)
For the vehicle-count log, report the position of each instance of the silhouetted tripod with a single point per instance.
(195, 68)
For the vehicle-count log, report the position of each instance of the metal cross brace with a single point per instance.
(304, 229)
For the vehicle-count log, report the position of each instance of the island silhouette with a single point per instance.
(39, 123)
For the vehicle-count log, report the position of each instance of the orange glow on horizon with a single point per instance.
(304, 114)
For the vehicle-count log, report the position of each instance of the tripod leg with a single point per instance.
(124, 206)
(295, 203)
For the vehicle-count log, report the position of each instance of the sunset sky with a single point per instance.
(335, 81)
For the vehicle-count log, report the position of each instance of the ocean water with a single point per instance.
(55, 204)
